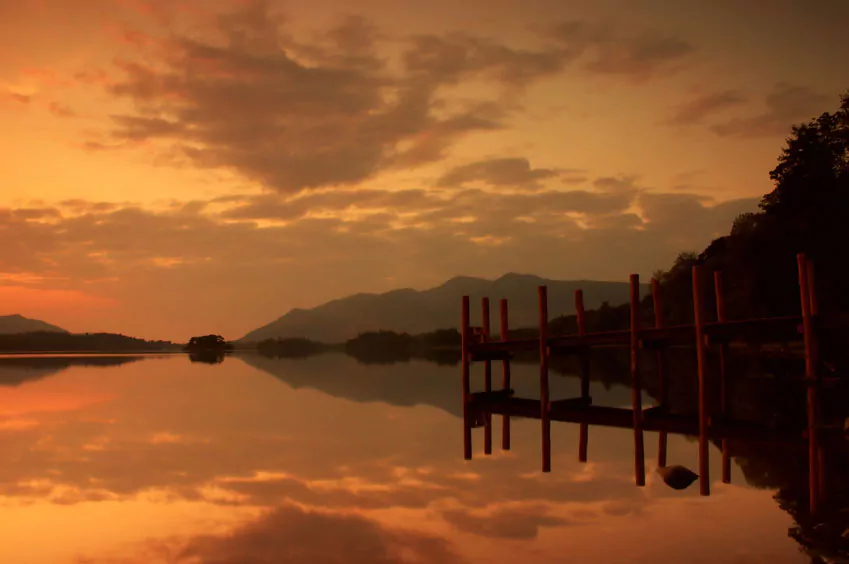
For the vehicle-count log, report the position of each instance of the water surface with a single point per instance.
(157, 459)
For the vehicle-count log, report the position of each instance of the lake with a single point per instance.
(149, 459)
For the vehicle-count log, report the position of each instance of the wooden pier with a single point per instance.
(703, 336)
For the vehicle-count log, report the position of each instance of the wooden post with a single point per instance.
(810, 380)
(464, 348)
(661, 376)
(487, 377)
(636, 386)
(583, 441)
(505, 383)
(701, 355)
(543, 379)
(723, 378)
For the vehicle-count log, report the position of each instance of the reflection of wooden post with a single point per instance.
(584, 438)
(810, 380)
(543, 379)
(661, 376)
(487, 377)
(464, 348)
(723, 382)
(701, 355)
(505, 383)
(636, 385)
(812, 292)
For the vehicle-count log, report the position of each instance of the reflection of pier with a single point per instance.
(478, 345)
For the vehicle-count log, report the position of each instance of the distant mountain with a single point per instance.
(11, 324)
(415, 311)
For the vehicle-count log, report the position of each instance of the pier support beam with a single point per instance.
(701, 357)
(636, 384)
(811, 381)
(545, 400)
(487, 376)
(661, 373)
(723, 377)
(584, 359)
(466, 359)
(505, 368)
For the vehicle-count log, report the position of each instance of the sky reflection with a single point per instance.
(168, 461)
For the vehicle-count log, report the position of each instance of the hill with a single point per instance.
(51, 341)
(415, 312)
(11, 324)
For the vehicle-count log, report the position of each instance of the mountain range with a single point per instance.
(413, 311)
(12, 324)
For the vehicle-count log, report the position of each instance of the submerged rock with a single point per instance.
(677, 477)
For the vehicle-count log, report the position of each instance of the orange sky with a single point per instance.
(175, 168)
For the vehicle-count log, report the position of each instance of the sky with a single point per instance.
(181, 168)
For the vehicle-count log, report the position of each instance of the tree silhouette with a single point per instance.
(209, 343)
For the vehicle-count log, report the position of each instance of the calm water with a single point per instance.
(156, 459)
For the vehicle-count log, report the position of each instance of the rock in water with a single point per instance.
(677, 477)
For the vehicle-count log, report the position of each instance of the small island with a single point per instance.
(209, 349)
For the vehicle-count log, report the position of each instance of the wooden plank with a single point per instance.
(481, 399)
(478, 356)
(622, 418)
(570, 404)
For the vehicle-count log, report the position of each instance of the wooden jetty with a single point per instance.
(478, 346)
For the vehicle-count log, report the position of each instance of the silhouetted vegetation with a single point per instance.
(208, 343)
(207, 356)
(292, 348)
(383, 347)
(807, 211)
(50, 341)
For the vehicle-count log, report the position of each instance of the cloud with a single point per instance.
(696, 110)
(21, 98)
(785, 105)
(511, 522)
(514, 172)
(299, 251)
(639, 55)
(294, 116)
(451, 58)
(59, 109)
(299, 536)
(291, 114)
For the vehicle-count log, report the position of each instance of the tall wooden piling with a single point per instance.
(545, 405)
(504, 332)
(811, 381)
(464, 349)
(487, 376)
(701, 357)
(583, 441)
(723, 378)
(661, 373)
(636, 384)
